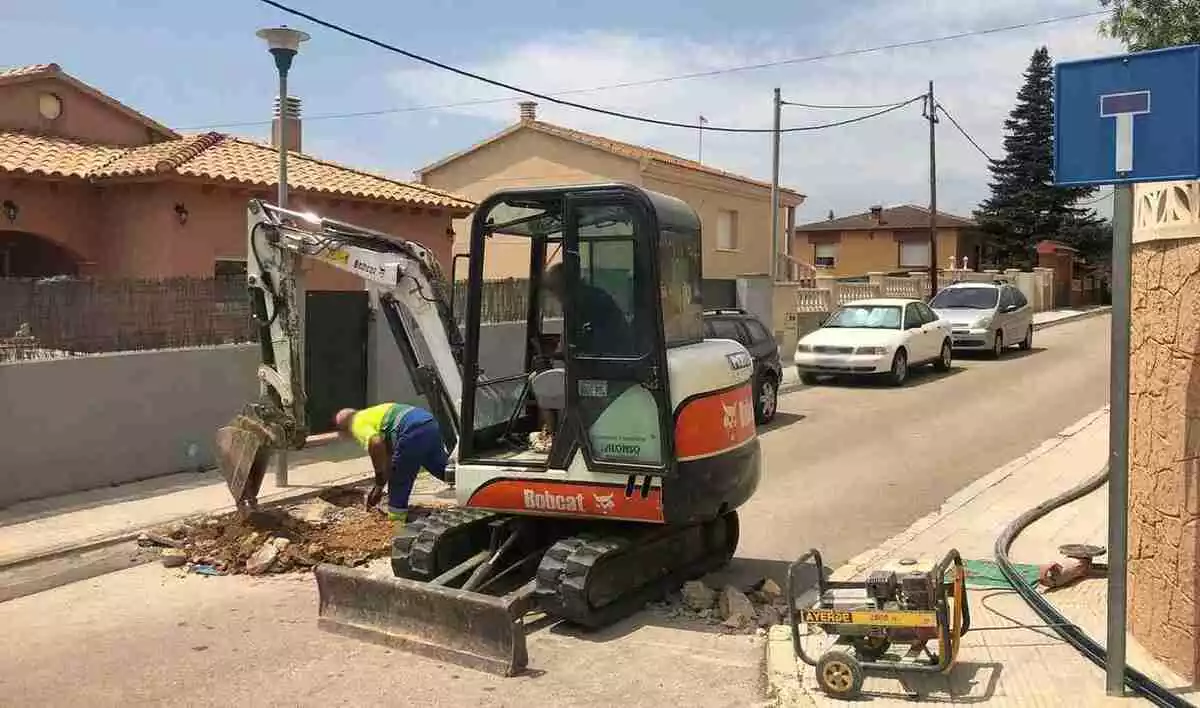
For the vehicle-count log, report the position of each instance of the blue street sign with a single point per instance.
(1128, 118)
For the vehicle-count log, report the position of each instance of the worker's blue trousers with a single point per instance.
(416, 444)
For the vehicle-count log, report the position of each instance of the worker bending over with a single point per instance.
(400, 440)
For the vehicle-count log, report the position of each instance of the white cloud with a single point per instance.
(884, 160)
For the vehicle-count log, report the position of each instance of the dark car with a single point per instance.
(745, 329)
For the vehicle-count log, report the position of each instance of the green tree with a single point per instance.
(1025, 206)
(1152, 24)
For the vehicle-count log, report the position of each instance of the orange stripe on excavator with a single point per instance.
(568, 499)
(714, 423)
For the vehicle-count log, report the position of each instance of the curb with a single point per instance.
(783, 671)
(789, 387)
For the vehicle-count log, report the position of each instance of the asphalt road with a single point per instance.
(847, 466)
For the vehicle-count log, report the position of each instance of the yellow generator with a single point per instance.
(907, 602)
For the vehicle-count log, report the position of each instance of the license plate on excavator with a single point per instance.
(483, 632)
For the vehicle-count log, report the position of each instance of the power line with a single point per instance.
(617, 114)
(964, 132)
(835, 108)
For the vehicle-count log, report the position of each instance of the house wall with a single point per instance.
(862, 252)
(84, 117)
(59, 211)
(132, 230)
(524, 159)
(528, 158)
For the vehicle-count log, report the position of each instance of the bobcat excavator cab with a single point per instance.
(652, 427)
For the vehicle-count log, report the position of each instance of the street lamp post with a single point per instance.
(284, 44)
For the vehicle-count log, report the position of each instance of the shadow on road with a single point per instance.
(916, 377)
(1008, 355)
(781, 420)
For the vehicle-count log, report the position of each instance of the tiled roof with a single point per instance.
(210, 156)
(636, 152)
(31, 70)
(906, 216)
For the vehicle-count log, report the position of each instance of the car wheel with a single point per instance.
(1027, 342)
(809, 379)
(899, 373)
(766, 400)
(998, 345)
(946, 358)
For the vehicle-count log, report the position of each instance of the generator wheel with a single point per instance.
(839, 675)
(871, 648)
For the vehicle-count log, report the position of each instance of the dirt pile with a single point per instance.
(734, 610)
(333, 528)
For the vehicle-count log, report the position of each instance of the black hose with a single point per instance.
(1138, 682)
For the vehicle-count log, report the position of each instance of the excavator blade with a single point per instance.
(242, 454)
(469, 629)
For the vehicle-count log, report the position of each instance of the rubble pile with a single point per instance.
(334, 528)
(734, 610)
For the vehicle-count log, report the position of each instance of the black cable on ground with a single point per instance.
(1138, 682)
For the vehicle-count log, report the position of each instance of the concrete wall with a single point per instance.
(81, 423)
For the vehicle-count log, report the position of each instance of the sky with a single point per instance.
(196, 66)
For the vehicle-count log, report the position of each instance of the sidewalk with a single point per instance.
(75, 522)
(1022, 666)
(1041, 320)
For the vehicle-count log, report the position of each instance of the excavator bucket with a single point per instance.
(242, 454)
(470, 629)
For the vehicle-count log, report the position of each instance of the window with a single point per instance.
(825, 255)
(229, 268)
(928, 316)
(758, 333)
(914, 254)
(605, 303)
(1006, 297)
(912, 317)
(727, 230)
(680, 287)
(865, 317)
(977, 298)
(1019, 298)
(727, 329)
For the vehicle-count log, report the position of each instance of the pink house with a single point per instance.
(91, 187)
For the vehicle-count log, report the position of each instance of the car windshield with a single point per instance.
(968, 298)
(866, 317)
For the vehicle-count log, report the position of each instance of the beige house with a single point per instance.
(886, 240)
(734, 210)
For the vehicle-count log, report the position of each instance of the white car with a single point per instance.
(886, 336)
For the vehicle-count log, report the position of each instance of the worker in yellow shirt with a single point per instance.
(400, 440)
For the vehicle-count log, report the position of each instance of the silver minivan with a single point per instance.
(985, 316)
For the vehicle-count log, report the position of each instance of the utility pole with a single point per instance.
(931, 115)
(700, 148)
(777, 108)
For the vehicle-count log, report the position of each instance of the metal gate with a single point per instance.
(335, 354)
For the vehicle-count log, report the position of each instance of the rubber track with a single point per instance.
(415, 551)
(572, 563)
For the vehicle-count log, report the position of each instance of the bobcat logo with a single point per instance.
(730, 420)
(604, 504)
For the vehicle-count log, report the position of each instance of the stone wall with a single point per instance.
(1164, 489)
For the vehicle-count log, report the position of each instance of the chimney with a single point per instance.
(877, 213)
(292, 116)
(830, 217)
(528, 111)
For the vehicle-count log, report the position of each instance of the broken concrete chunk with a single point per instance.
(173, 558)
(263, 559)
(736, 609)
(770, 591)
(698, 596)
(314, 511)
(281, 542)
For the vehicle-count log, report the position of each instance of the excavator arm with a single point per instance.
(412, 295)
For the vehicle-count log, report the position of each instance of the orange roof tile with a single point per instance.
(31, 70)
(210, 156)
(617, 147)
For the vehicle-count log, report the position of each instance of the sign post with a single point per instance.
(1106, 133)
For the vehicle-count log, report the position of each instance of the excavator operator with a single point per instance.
(604, 327)
(401, 440)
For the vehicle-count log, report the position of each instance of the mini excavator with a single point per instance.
(652, 444)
